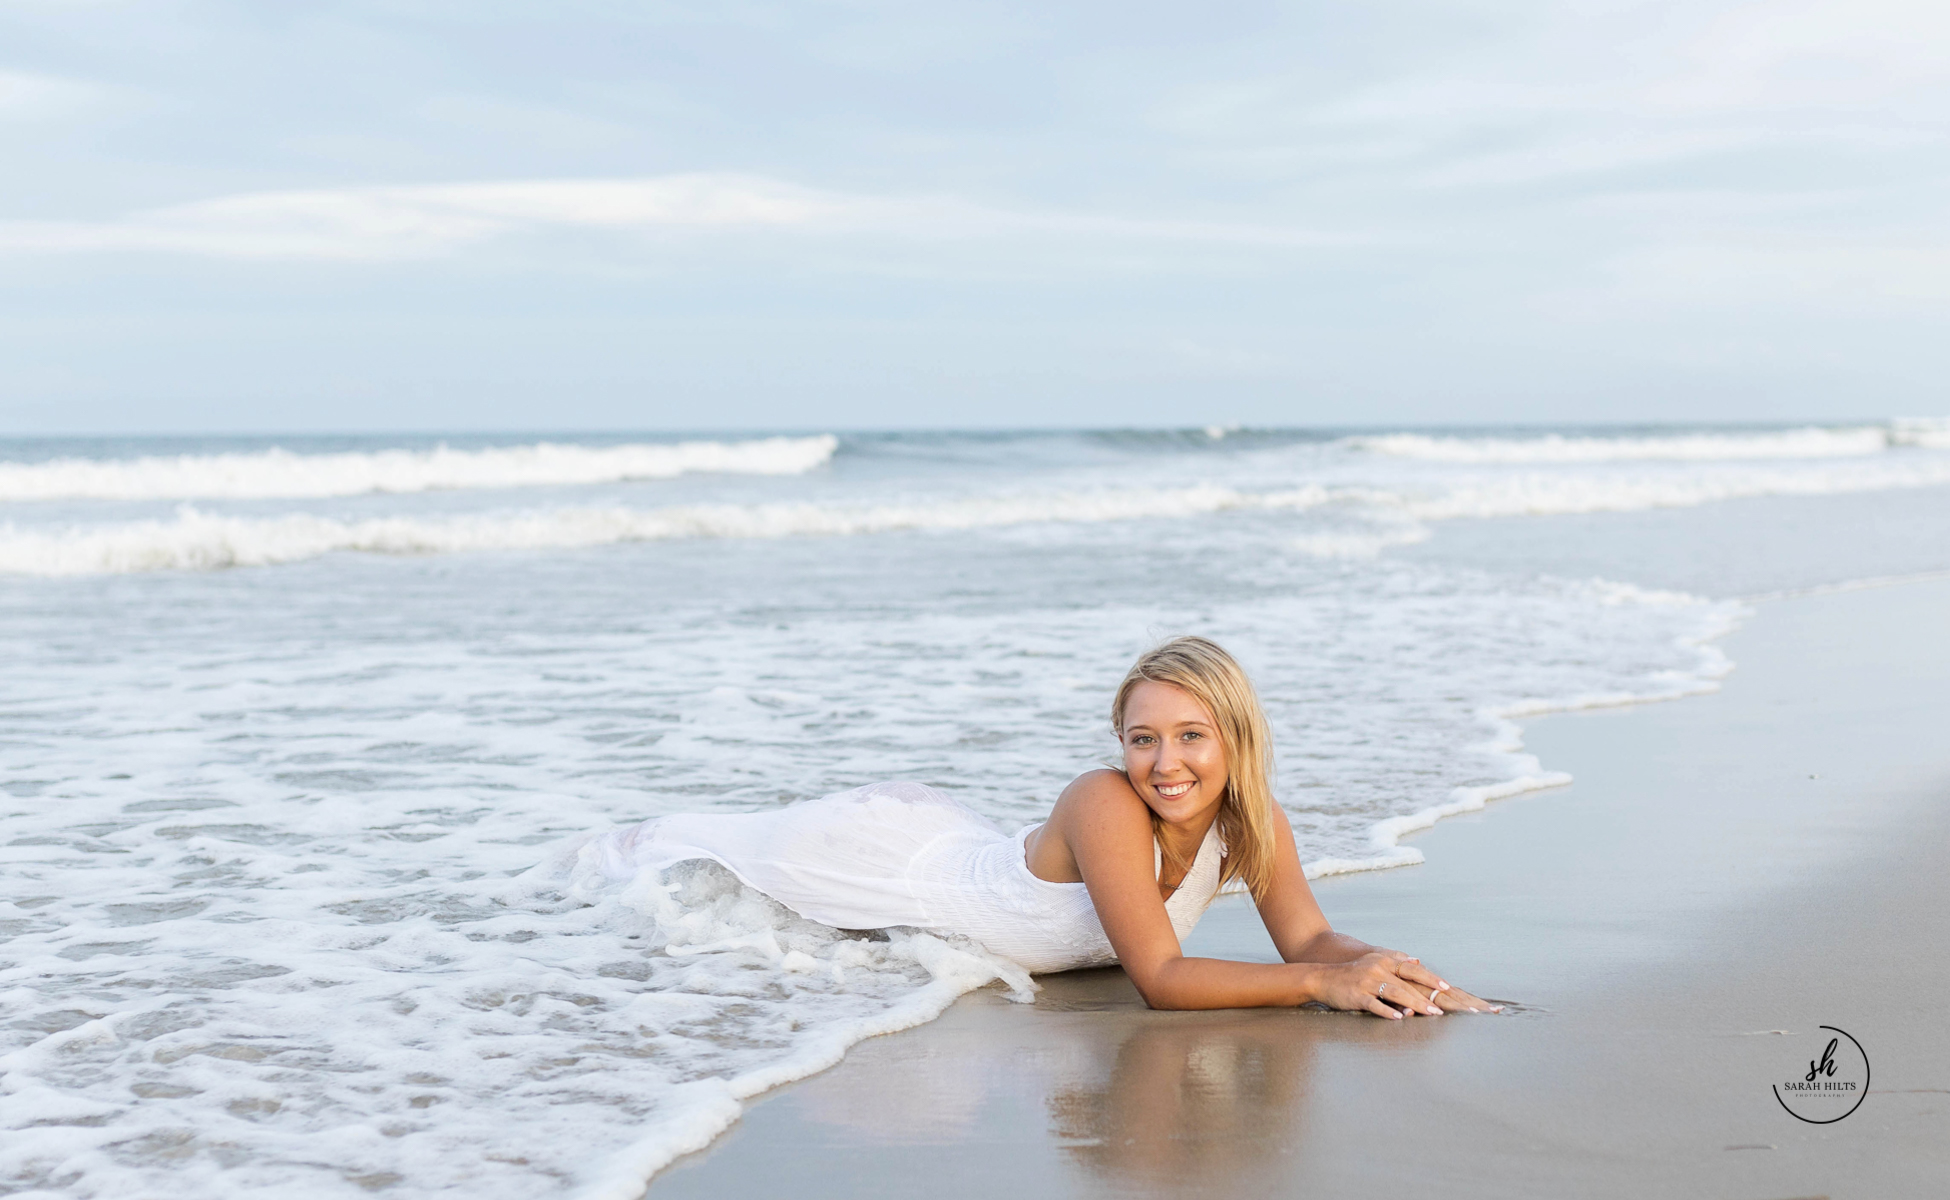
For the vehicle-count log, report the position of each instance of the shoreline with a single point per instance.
(1645, 915)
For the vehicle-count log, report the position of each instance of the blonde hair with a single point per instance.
(1213, 677)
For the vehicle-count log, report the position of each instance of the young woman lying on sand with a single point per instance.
(1120, 872)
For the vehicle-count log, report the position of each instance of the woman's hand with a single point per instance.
(1375, 983)
(1448, 999)
(1388, 984)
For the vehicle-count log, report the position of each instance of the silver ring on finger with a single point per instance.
(1382, 990)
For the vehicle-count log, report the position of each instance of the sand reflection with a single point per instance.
(1190, 1097)
(1135, 1102)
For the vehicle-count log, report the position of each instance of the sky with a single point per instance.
(846, 214)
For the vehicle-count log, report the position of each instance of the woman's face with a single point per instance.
(1172, 752)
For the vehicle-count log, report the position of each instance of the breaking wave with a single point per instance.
(200, 541)
(195, 540)
(278, 473)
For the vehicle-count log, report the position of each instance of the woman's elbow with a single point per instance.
(1160, 992)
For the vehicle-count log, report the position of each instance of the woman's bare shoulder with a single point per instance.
(1101, 794)
(1102, 781)
(1094, 800)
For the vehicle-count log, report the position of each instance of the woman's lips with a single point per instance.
(1171, 791)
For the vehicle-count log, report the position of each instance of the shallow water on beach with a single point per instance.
(284, 724)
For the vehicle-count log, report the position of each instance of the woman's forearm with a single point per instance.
(1361, 982)
(1188, 983)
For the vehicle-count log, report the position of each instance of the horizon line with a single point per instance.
(1002, 431)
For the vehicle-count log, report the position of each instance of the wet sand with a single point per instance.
(1775, 857)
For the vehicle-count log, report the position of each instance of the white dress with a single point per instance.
(893, 854)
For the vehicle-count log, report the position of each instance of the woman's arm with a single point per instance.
(1108, 831)
(1298, 928)
(1301, 932)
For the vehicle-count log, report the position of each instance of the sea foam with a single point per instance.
(278, 473)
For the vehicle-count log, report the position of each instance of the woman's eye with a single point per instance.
(1193, 736)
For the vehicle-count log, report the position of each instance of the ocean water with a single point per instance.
(293, 734)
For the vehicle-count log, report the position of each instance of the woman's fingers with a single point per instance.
(1393, 985)
(1413, 969)
(1441, 996)
(1420, 1000)
(1457, 1000)
(1403, 984)
(1405, 995)
(1375, 988)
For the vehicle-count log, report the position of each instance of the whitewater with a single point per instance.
(302, 734)
(277, 471)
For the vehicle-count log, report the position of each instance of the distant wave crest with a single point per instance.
(1932, 433)
(277, 473)
(1557, 448)
(1543, 493)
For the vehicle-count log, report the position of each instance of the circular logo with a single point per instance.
(1829, 1087)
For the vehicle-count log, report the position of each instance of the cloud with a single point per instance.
(1770, 271)
(420, 221)
(28, 96)
(1543, 93)
(407, 222)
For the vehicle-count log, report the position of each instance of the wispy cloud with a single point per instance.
(412, 222)
(1570, 92)
(393, 223)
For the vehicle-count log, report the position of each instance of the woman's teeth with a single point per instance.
(1171, 791)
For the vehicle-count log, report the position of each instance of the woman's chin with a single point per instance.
(1188, 809)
